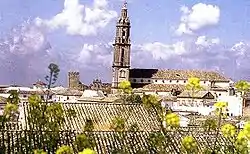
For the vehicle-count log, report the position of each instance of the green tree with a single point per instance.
(53, 74)
(118, 124)
(209, 124)
(10, 112)
(151, 101)
(86, 139)
(52, 77)
(134, 98)
(13, 97)
(126, 93)
(47, 116)
(83, 141)
(242, 86)
(156, 143)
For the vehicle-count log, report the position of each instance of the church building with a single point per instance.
(154, 80)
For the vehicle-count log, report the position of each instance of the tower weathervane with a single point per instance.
(125, 4)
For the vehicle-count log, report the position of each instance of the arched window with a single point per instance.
(122, 74)
(122, 56)
(123, 32)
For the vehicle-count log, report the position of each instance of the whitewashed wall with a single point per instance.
(234, 105)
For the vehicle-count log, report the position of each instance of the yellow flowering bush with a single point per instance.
(65, 150)
(189, 144)
(243, 139)
(39, 151)
(220, 108)
(87, 151)
(125, 87)
(173, 120)
(228, 130)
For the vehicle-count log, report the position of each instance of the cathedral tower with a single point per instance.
(121, 59)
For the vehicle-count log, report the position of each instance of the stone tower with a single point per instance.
(121, 59)
(73, 80)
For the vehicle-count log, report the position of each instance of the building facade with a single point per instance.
(155, 80)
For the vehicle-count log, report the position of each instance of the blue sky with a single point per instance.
(77, 34)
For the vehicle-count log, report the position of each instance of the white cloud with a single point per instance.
(79, 19)
(206, 42)
(85, 54)
(26, 39)
(163, 51)
(95, 54)
(240, 48)
(201, 15)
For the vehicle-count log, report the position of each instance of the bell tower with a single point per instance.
(121, 59)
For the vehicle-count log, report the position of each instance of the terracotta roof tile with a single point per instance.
(102, 115)
(172, 74)
(163, 87)
(69, 92)
(135, 142)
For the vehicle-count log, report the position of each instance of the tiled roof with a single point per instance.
(102, 115)
(134, 142)
(163, 87)
(38, 92)
(2, 99)
(199, 94)
(40, 83)
(97, 99)
(108, 141)
(246, 111)
(69, 92)
(172, 74)
(203, 138)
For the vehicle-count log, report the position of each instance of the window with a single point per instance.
(162, 81)
(184, 81)
(122, 74)
(67, 97)
(141, 80)
(155, 80)
(123, 32)
(148, 80)
(122, 56)
(204, 82)
(24, 96)
(219, 94)
(170, 81)
(177, 81)
(134, 80)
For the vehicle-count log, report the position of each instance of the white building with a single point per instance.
(235, 103)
